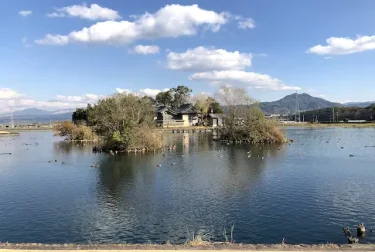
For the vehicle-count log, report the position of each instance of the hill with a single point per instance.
(359, 104)
(33, 115)
(287, 105)
(341, 114)
(31, 112)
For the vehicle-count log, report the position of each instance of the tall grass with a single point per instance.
(74, 132)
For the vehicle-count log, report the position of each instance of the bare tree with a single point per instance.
(244, 119)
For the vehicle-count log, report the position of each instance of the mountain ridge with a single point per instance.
(287, 104)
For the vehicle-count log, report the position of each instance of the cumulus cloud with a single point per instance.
(171, 21)
(337, 46)
(146, 49)
(10, 100)
(242, 78)
(83, 99)
(202, 58)
(25, 13)
(8, 94)
(142, 92)
(246, 23)
(92, 12)
(50, 39)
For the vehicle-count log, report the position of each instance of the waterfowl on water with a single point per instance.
(351, 155)
(346, 231)
(95, 165)
(352, 240)
(361, 229)
(63, 162)
(159, 165)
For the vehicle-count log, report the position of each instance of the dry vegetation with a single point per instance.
(74, 132)
(125, 122)
(245, 121)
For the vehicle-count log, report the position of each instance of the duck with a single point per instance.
(351, 155)
(346, 231)
(352, 240)
(173, 163)
(361, 229)
(95, 165)
(159, 165)
(63, 162)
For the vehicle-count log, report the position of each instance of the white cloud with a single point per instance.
(142, 92)
(11, 100)
(337, 46)
(171, 21)
(152, 92)
(242, 78)
(92, 12)
(25, 13)
(202, 59)
(84, 99)
(246, 23)
(50, 39)
(7, 94)
(146, 49)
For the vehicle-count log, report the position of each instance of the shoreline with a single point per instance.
(168, 247)
(327, 125)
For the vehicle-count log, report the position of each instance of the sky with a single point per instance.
(63, 54)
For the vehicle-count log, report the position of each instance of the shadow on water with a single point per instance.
(305, 192)
(201, 186)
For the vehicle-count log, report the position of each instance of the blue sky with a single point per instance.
(269, 47)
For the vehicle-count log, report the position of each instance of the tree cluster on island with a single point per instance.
(126, 121)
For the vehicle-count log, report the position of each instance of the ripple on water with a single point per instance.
(305, 192)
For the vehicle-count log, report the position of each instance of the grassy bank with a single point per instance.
(9, 247)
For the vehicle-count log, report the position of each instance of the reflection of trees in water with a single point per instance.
(113, 171)
(245, 171)
(65, 147)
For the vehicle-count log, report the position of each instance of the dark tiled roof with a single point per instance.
(162, 109)
(186, 109)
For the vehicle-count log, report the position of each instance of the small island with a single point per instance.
(128, 122)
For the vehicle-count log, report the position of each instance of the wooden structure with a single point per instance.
(216, 120)
(184, 116)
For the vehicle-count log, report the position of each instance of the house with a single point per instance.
(165, 116)
(216, 120)
(188, 114)
(185, 115)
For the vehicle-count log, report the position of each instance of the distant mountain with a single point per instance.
(287, 105)
(359, 104)
(31, 112)
(34, 115)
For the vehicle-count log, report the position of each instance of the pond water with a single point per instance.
(305, 192)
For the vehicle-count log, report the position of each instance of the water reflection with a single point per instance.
(305, 192)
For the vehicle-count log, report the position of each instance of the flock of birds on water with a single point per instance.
(361, 229)
(361, 232)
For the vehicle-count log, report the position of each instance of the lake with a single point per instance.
(305, 192)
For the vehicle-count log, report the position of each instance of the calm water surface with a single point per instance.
(304, 192)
